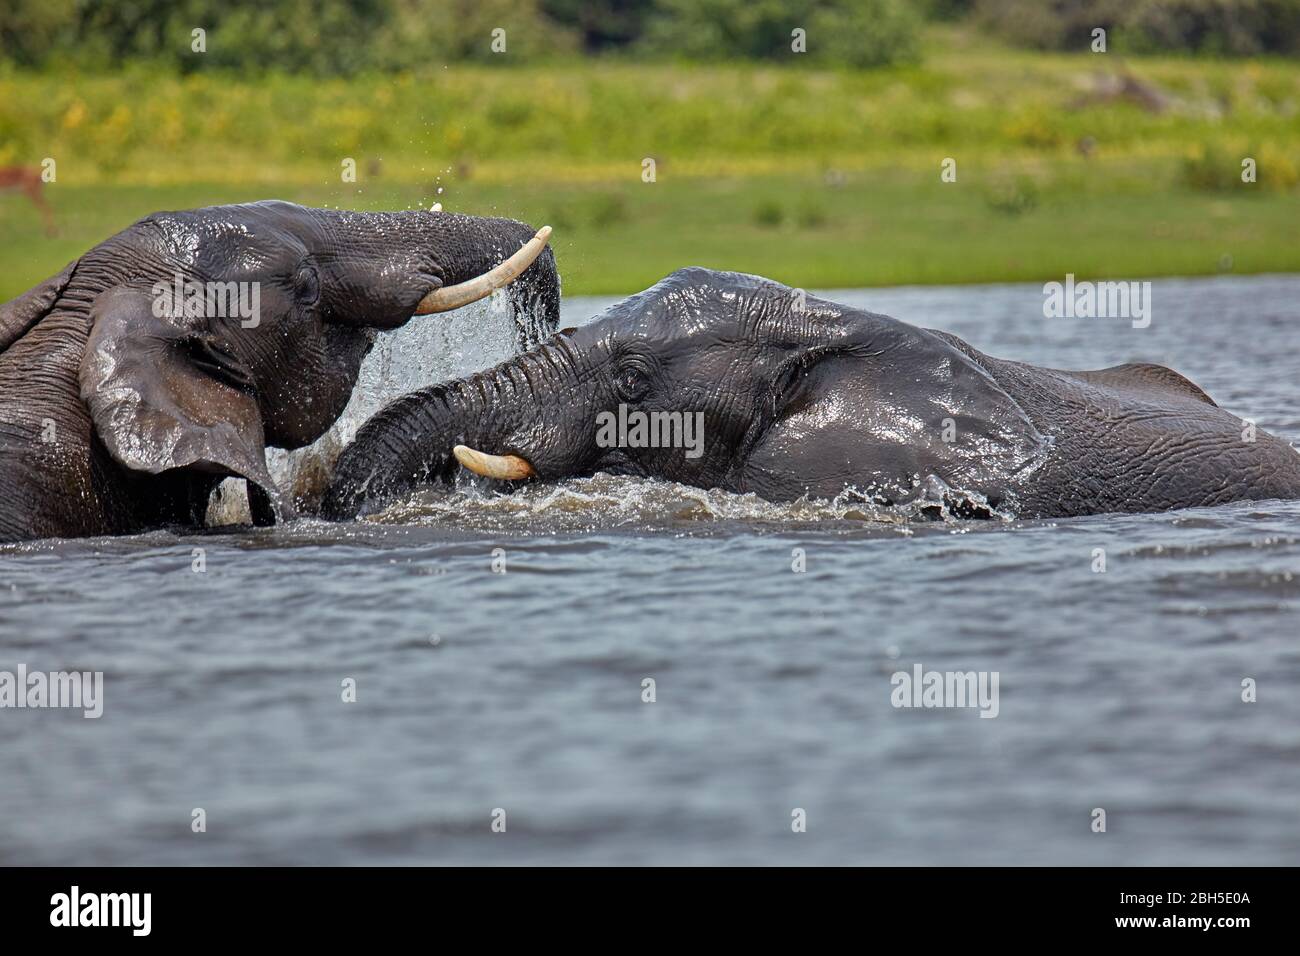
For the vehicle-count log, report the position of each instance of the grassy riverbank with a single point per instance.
(819, 178)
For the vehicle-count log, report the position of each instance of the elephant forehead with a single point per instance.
(659, 330)
(699, 310)
(219, 245)
(677, 309)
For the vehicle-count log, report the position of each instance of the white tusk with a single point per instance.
(504, 467)
(480, 287)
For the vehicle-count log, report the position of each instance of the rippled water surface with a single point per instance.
(479, 692)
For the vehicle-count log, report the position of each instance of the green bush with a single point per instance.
(601, 24)
(1223, 27)
(1051, 24)
(863, 33)
(1012, 195)
(321, 37)
(812, 216)
(347, 37)
(769, 213)
(608, 209)
(1211, 167)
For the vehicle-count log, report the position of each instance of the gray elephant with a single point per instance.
(717, 379)
(171, 355)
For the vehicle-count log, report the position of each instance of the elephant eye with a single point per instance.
(307, 284)
(632, 383)
(788, 384)
(787, 379)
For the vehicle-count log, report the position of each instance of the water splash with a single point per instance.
(425, 351)
(608, 502)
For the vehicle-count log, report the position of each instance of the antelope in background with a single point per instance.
(28, 180)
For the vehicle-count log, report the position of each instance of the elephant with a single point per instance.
(732, 381)
(171, 355)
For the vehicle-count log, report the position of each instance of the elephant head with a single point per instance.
(194, 340)
(713, 379)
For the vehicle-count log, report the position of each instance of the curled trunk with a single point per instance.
(519, 410)
(407, 443)
(493, 254)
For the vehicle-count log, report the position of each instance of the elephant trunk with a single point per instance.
(481, 286)
(482, 256)
(518, 417)
(432, 262)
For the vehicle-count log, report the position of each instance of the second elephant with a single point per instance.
(724, 380)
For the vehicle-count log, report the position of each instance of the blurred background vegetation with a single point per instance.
(343, 37)
(820, 168)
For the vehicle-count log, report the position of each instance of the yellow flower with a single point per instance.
(75, 114)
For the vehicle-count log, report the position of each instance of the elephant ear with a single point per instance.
(882, 405)
(20, 314)
(163, 396)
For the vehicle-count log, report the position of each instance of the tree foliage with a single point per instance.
(853, 32)
(323, 37)
(1220, 27)
(327, 37)
(345, 37)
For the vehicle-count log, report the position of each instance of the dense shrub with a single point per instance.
(601, 24)
(852, 32)
(1232, 27)
(1212, 167)
(326, 37)
(1226, 27)
(322, 37)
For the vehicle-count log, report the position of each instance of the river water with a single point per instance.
(501, 653)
